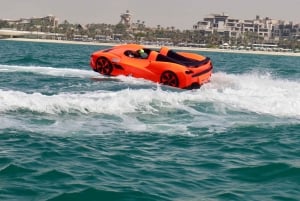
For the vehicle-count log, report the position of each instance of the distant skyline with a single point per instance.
(178, 13)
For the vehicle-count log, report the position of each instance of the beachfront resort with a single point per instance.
(213, 31)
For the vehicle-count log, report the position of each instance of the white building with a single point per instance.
(224, 25)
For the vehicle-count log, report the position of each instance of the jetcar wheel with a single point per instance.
(104, 66)
(169, 78)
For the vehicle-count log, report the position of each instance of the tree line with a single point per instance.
(138, 32)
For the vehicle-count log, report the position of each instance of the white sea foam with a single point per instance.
(255, 93)
(230, 100)
(61, 72)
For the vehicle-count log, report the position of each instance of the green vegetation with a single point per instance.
(138, 32)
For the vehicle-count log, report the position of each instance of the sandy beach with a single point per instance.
(154, 46)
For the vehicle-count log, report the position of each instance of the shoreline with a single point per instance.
(155, 46)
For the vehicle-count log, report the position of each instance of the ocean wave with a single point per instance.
(28, 59)
(54, 174)
(266, 172)
(14, 170)
(97, 194)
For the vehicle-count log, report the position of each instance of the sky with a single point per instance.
(182, 14)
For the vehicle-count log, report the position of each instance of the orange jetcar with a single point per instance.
(177, 69)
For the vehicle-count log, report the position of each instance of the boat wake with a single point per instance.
(58, 72)
(255, 93)
(228, 100)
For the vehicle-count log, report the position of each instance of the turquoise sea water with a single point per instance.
(68, 133)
